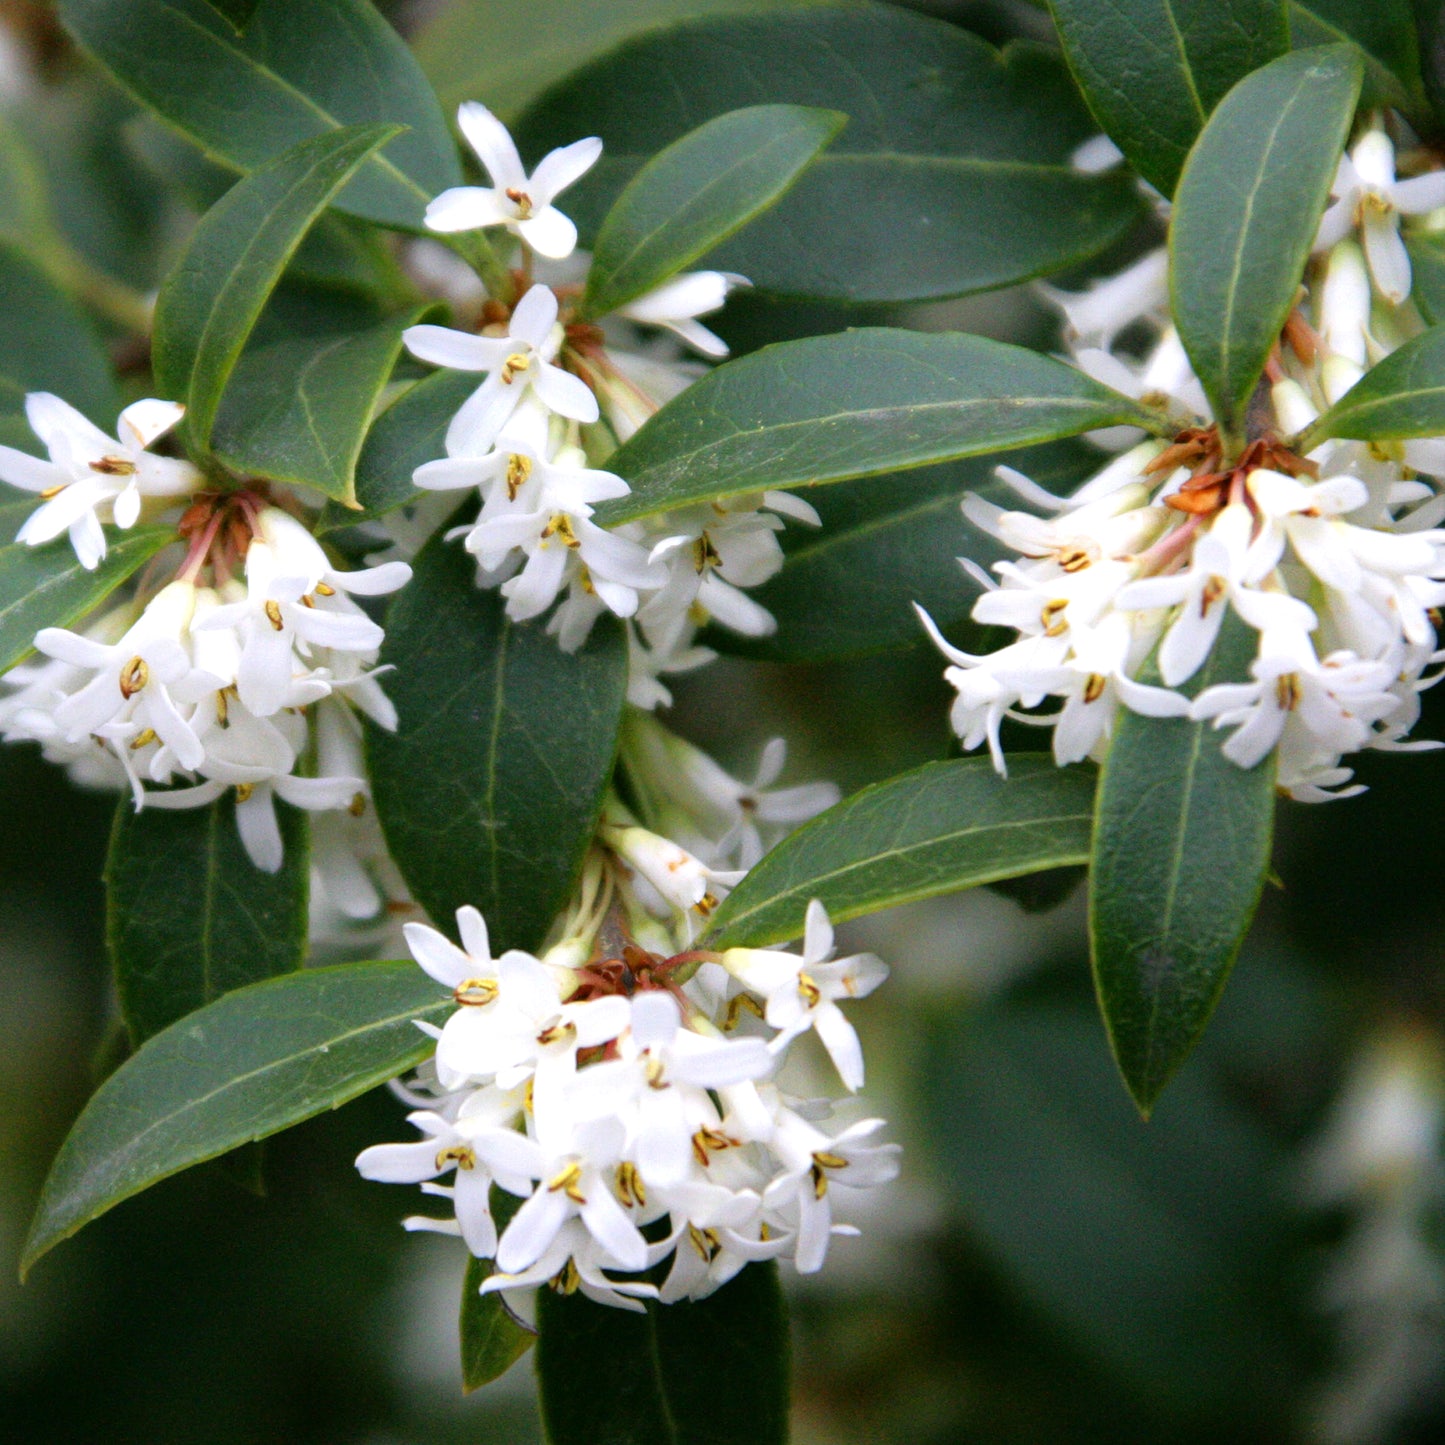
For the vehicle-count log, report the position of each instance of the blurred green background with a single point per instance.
(1261, 1262)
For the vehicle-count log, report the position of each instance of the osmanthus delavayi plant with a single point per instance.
(471, 375)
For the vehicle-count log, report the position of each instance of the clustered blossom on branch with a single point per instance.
(206, 685)
(626, 1078)
(1332, 556)
(558, 390)
(631, 1090)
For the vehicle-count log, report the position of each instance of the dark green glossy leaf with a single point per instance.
(489, 789)
(1427, 264)
(493, 1339)
(237, 12)
(1153, 70)
(1384, 33)
(1154, 1252)
(1401, 396)
(298, 405)
(848, 587)
(297, 71)
(250, 1064)
(211, 301)
(937, 829)
(1181, 848)
(46, 345)
(953, 173)
(412, 430)
(504, 53)
(661, 1384)
(189, 917)
(1246, 212)
(832, 407)
(698, 192)
(47, 587)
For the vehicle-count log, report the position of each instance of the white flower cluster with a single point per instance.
(1333, 557)
(92, 478)
(607, 1095)
(210, 686)
(556, 391)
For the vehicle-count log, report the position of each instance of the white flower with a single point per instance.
(1368, 195)
(480, 1145)
(91, 477)
(296, 603)
(682, 881)
(720, 806)
(677, 304)
(574, 1260)
(141, 681)
(518, 363)
(813, 1163)
(1334, 703)
(803, 993)
(1095, 317)
(520, 202)
(575, 1164)
(1216, 580)
(659, 1082)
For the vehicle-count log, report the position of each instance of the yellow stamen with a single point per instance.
(475, 992)
(273, 614)
(567, 1181)
(744, 1002)
(1094, 687)
(462, 1155)
(809, 991)
(629, 1185)
(134, 676)
(244, 791)
(142, 739)
(519, 468)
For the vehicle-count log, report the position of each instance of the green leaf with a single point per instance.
(211, 301)
(832, 407)
(1246, 212)
(663, 1380)
(937, 829)
(412, 430)
(493, 1339)
(297, 71)
(698, 192)
(1384, 33)
(1153, 70)
(953, 175)
(1401, 396)
(504, 53)
(237, 13)
(1427, 263)
(46, 345)
(47, 587)
(848, 587)
(250, 1064)
(15, 507)
(298, 405)
(490, 787)
(189, 917)
(1181, 849)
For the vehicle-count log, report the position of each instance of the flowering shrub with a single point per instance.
(369, 613)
